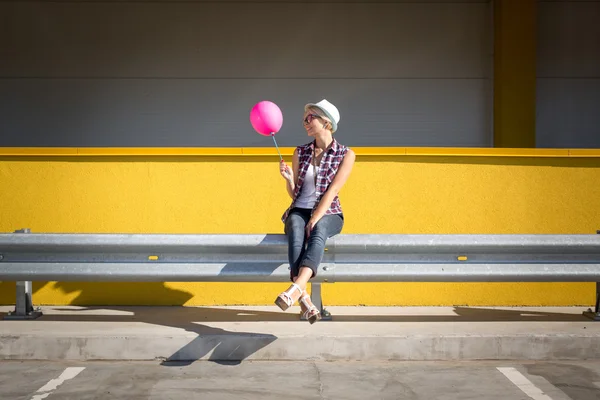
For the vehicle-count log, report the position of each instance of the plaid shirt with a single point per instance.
(328, 168)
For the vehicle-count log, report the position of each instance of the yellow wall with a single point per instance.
(244, 194)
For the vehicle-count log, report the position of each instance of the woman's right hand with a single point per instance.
(286, 171)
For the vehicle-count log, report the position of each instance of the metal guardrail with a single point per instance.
(263, 258)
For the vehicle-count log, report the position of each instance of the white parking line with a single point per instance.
(524, 384)
(47, 389)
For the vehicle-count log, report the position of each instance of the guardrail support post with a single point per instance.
(23, 304)
(595, 315)
(317, 299)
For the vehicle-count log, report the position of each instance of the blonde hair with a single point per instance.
(320, 113)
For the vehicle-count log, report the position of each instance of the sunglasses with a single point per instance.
(309, 118)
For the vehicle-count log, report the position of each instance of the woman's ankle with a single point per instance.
(303, 277)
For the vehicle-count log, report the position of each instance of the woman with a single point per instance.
(319, 170)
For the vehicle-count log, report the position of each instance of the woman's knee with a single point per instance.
(294, 223)
(329, 225)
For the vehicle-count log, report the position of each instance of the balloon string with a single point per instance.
(277, 147)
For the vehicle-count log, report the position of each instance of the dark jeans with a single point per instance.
(303, 252)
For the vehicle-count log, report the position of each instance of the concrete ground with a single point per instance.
(481, 380)
(267, 334)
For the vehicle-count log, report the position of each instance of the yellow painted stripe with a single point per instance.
(38, 151)
(504, 152)
(267, 151)
(287, 151)
(159, 151)
(380, 151)
(584, 152)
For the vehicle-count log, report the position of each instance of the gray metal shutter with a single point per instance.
(187, 73)
(568, 74)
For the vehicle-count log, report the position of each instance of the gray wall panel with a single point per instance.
(569, 39)
(178, 73)
(212, 112)
(213, 40)
(568, 113)
(568, 70)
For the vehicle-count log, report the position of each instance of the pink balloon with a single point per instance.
(266, 118)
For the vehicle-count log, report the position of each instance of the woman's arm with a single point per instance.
(290, 174)
(338, 182)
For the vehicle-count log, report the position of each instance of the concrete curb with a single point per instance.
(424, 334)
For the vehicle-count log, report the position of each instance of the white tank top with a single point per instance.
(308, 194)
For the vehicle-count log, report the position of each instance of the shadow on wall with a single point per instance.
(8, 292)
(130, 293)
(88, 293)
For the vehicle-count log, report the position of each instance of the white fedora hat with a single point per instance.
(329, 110)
